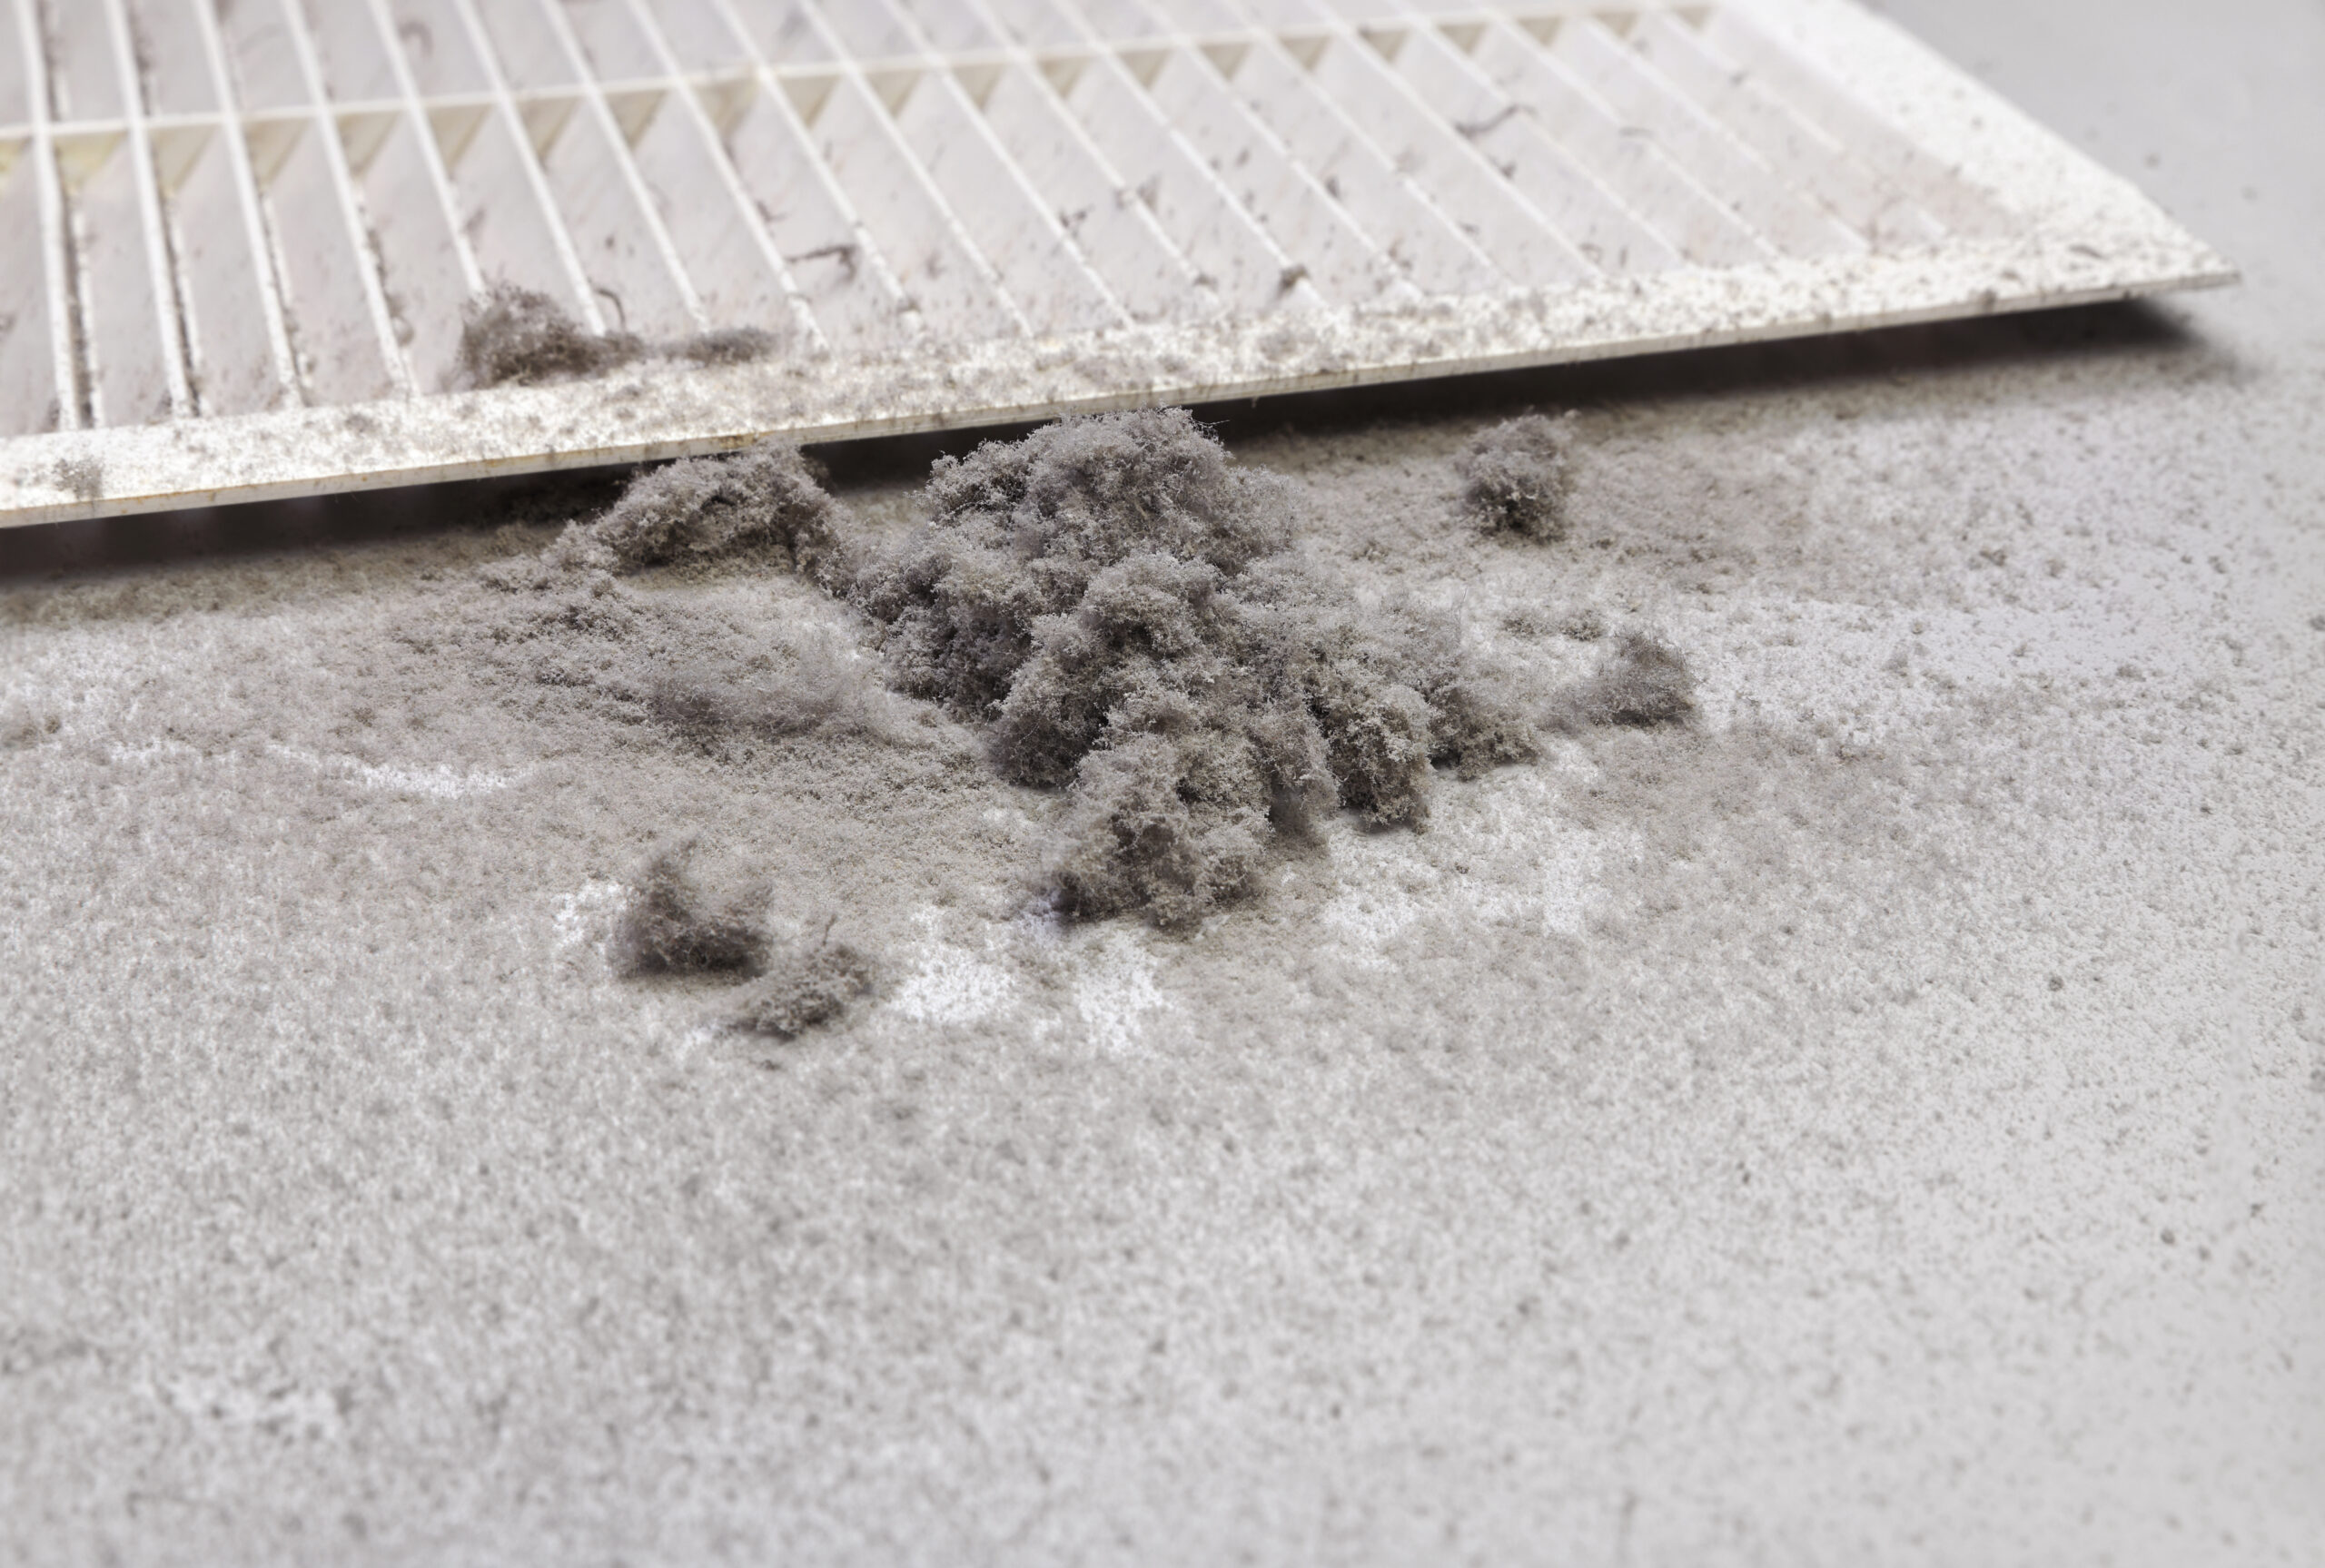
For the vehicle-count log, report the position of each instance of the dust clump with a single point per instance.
(1515, 477)
(669, 925)
(674, 924)
(1642, 683)
(512, 336)
(767, 498)
(1129, 614)
(721, 660)
(811, 983)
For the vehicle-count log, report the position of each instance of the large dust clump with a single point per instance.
(1517, 476)
(1127, 618)
(1129, 614)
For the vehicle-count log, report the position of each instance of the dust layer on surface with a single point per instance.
(1878, 1113)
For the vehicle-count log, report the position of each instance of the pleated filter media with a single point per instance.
(241, 240)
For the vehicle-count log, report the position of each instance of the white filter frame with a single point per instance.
(236, 242)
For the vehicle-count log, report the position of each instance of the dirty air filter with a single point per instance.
(238, 238)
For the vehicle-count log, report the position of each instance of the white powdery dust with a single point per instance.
(586, 916)
(1570, 885)
(1522, 864)
(442, 782)
(952, 984)
(1117, 991)
(1876, 670)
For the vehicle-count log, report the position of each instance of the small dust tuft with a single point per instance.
(1515, 477)
(670, 926)
(511, 336)
(803, 986)
(1528, 621)
(1129, 613)
(1641, 683)
(767, 498)
(1584, 626)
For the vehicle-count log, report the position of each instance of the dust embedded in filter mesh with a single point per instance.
(513, 335)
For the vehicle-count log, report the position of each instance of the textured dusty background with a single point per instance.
(1886, 1123)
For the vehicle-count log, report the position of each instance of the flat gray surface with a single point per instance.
(1885, 1122)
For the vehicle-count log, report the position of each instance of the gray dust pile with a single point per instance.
(1124, 618)
(1132, 617)
(765, 499)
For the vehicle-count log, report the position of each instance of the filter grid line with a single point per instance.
(270, 229)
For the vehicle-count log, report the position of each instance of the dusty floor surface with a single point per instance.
(1884, 1122)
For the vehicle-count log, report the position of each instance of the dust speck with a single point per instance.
(83, 478)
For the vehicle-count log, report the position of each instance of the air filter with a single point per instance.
(241, 240)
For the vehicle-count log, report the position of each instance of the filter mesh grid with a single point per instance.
(237, 237)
